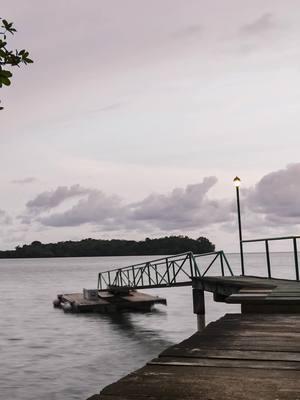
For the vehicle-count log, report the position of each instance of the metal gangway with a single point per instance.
(171, 271)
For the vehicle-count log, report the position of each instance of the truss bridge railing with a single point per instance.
(177, 270)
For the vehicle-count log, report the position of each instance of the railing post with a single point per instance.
(191, 265)
(133, 274)
(156, 274)
(109, 278)
(296, 258)
(128, 278)
(221, 261)
(174, 274)
(268, 258)
(148, 271)
(99, 282)
(196, 268)
(168, 272)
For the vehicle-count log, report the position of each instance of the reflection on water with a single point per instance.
(124, 324)
(51, 355)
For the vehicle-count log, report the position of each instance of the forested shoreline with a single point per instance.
(115, 247)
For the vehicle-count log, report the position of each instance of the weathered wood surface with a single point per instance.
(79, 299)
(238, 357)
(107, 302)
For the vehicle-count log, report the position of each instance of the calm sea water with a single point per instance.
(51, 355)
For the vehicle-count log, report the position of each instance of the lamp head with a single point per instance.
(237, 181)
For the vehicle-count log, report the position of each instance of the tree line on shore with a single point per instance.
(115, 247)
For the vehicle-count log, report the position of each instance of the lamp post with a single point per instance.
(237, 183)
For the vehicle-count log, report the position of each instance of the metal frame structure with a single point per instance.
(267, 251)
(177, 270)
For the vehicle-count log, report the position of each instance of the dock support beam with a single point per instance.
(199, 308)
(198, 302)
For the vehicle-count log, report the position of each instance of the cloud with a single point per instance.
(270, 206)
(276, 196)
(189, 31)
(5, 219)
(23, 181)
(263, 24)
(182, 208)
(97, 207)
(109, 107)
(272, 203)
(48, 200)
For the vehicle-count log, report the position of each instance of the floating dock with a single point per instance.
(103, 301)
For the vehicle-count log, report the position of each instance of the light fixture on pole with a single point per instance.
(237, 183)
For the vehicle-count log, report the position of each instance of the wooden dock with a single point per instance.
(240, 356)
(254, 355)
(255, 294)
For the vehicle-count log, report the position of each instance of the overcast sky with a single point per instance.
(137, 115)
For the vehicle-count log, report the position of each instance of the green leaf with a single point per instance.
(9, 58)
(6, 74)
(28, 60)
(5, 81)
(8, 26)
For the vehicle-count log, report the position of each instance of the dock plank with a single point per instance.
(235, 354)
(226, 363)
(233, 358)
(206, 383)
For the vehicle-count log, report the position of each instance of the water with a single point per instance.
(51, 355)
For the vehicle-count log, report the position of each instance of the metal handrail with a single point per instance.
(157, 259)
(176, 270)
(267, 251)
(269, 239)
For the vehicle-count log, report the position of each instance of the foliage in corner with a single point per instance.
(9, 58)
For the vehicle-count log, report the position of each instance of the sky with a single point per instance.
(136, 116)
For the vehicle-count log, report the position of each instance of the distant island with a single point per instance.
(115, 247)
